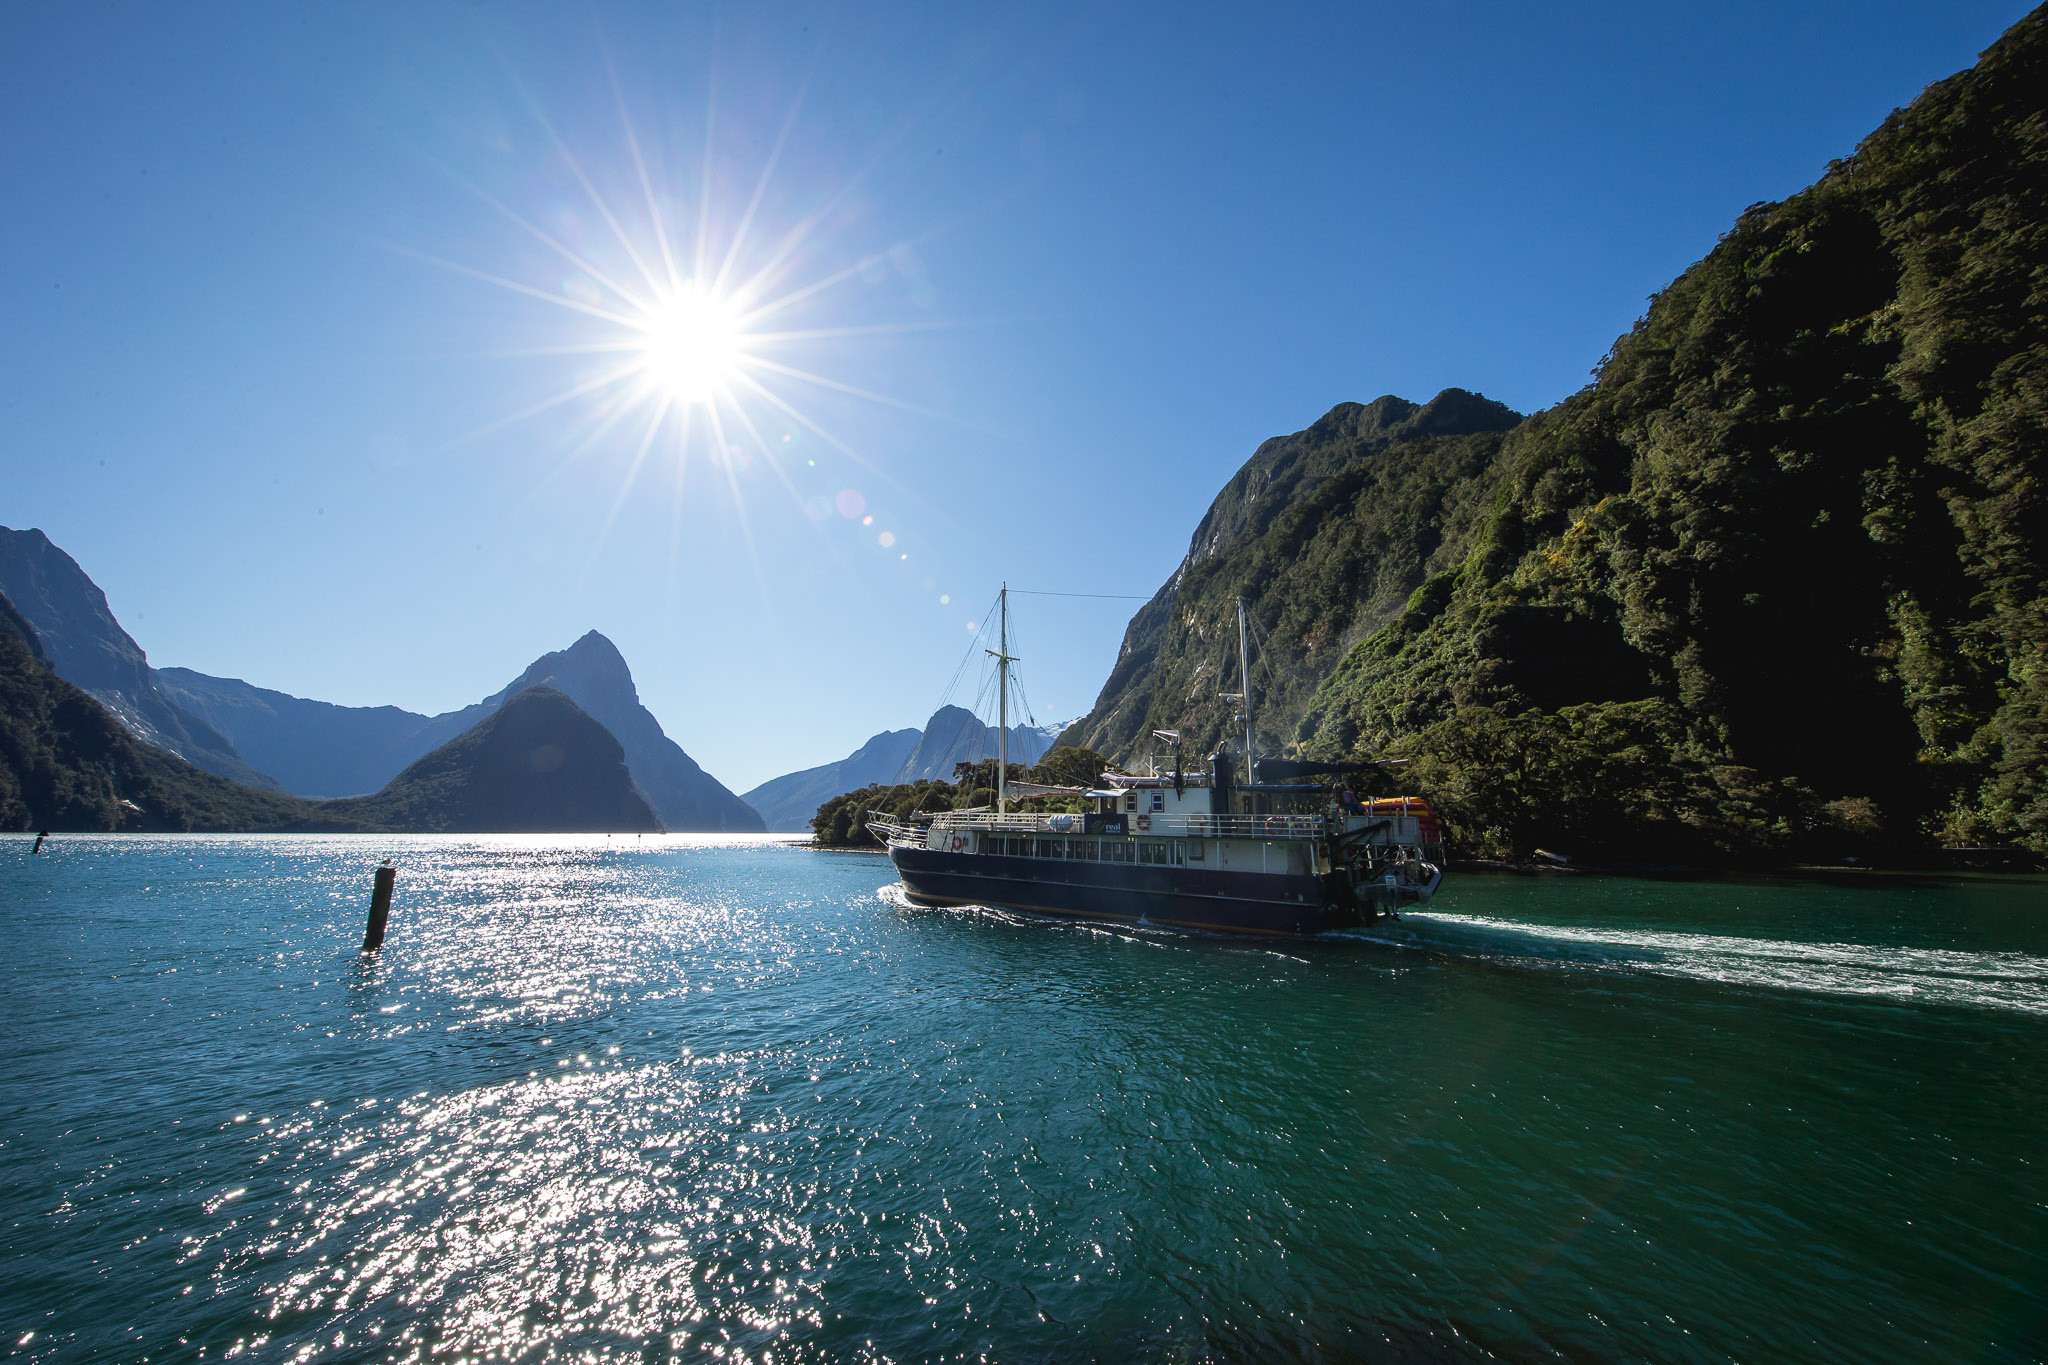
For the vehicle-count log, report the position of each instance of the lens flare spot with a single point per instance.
(850, 504)
(887, 538)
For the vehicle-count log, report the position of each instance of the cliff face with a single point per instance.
(1324, 533)
(538, 764)
(90, 650)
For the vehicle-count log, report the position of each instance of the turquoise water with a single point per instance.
(684, 1098)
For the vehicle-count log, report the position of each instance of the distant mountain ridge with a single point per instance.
(951, 736)
(320, 749)
(956, 735)
(316, 749)
(90, 650)
(537, 764)
(594, 675)
(787, 803)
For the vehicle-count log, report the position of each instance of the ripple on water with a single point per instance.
(689, 1096)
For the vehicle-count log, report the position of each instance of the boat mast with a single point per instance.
(1244, 671)
(1003, 662)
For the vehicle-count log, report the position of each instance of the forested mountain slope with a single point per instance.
(88, 648)
(1325, 533)
(1774, 585)
(67, 765)
(1778, 579)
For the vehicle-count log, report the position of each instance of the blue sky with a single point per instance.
(282, 281)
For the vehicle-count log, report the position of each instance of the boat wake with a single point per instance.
(1988, 980)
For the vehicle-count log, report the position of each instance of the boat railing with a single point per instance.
(1137, 825)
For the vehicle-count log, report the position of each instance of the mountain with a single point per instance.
(1773, 586)
(594, 674)
(1325, 533)
(956, 735)
(537, 764)
(321, 749)
(67, 765)
(314, 748)
(787, 803)
(953, 735)
(89, 649)
(14, 624)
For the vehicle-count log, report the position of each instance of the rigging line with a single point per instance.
(1265, 660)
(1105, 596)
(980, 633)
(1017, 677)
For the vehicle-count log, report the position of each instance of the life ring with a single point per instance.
(958, 843)
(1144, 822)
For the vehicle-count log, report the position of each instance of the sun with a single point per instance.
(692, 343)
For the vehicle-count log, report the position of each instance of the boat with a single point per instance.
(1231, 847)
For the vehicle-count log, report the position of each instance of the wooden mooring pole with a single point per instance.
(380, 908)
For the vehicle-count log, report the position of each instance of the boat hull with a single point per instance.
(1213, 901)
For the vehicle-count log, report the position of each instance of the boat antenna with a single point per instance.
(1003, 662)
(1244, 671)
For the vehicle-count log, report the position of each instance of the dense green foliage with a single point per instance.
(68, 766)
(1324, 533)
(1774, 585)
(842, 821)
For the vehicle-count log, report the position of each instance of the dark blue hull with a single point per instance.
(1184, 898)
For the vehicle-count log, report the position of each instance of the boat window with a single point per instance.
(1194, 847)
(1084, 848)
(1048, 848)
(1158, 800)
(1130, 801)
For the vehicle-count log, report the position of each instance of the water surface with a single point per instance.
(678, 1097)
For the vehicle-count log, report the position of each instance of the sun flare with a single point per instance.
(693, 344)
(686, 321)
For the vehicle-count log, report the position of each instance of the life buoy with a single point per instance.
(1144, 822)
(958, 843)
